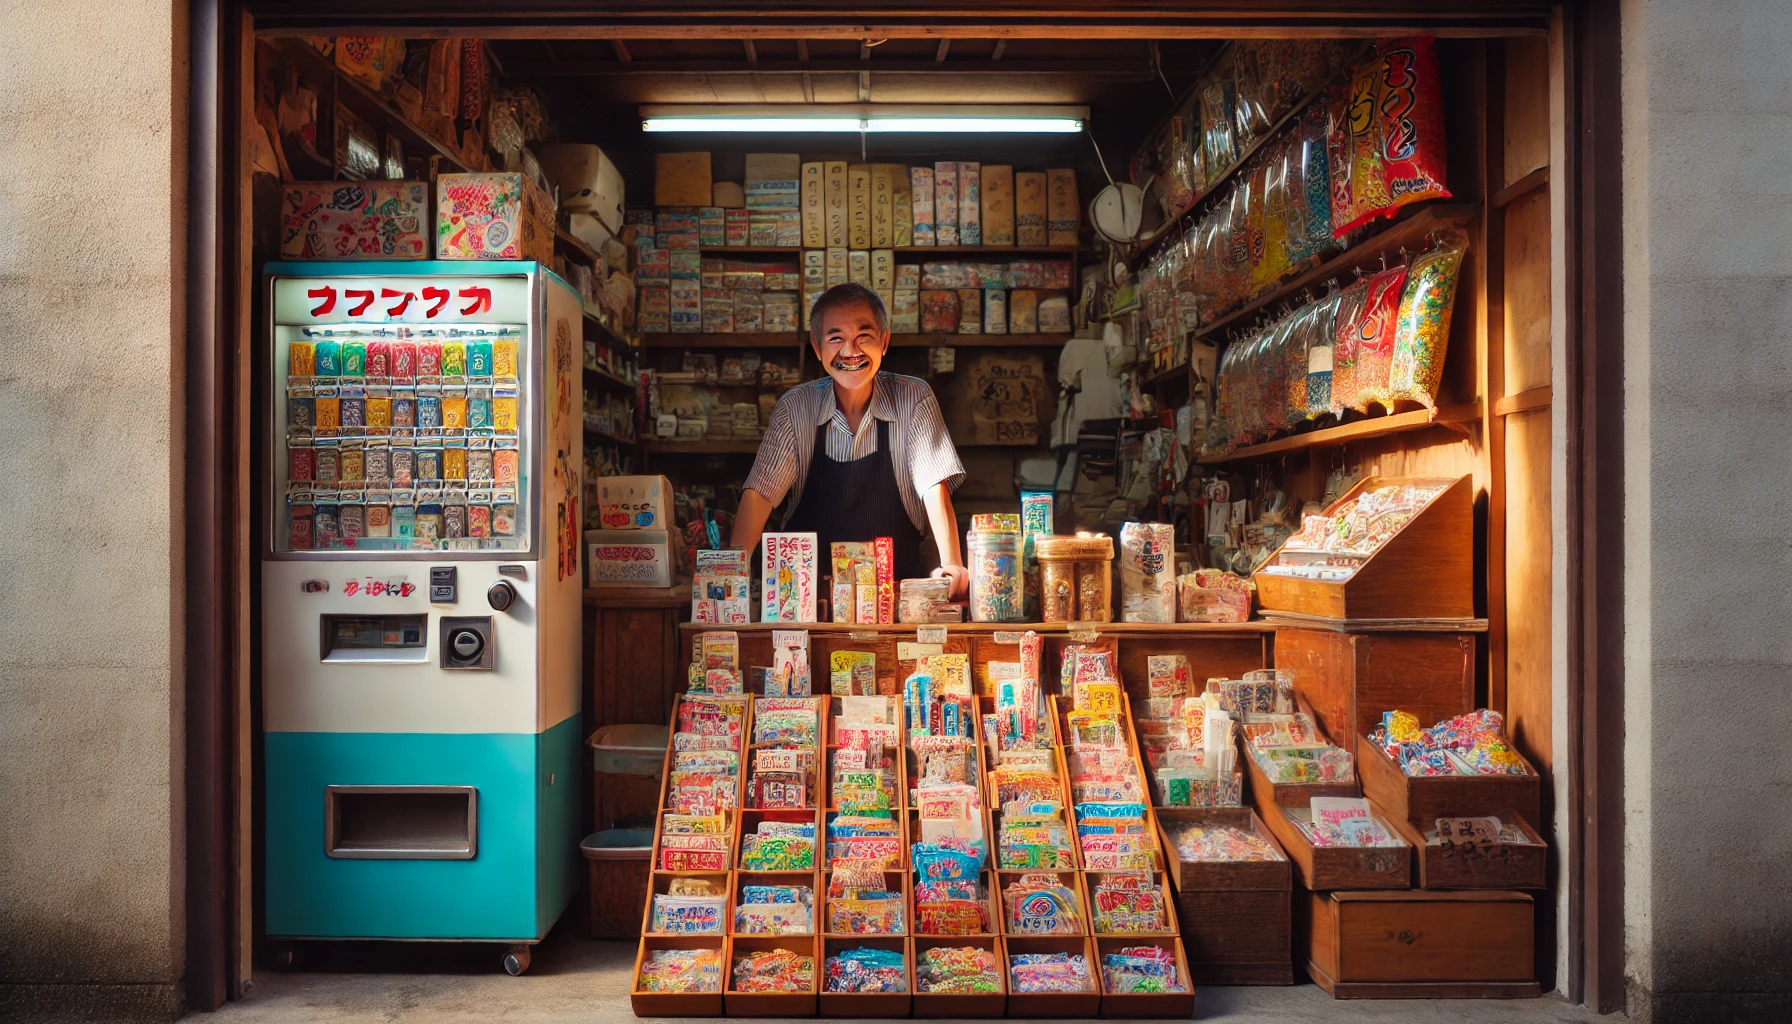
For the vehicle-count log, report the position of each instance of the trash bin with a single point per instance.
(627, 760)
(618, 864)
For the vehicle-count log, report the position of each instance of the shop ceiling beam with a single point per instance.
(1125, 69)
(816, 19)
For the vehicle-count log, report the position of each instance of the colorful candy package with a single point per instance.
(1422, 329)
(1387, 135)
(1373, 339)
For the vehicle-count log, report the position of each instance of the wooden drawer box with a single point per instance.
(961, 1005)
(770, 1004)
(1322, 868)
(1350, 679)
(1421, 945)
(1505, 866)
(864, 1004)
(1054, 1004)
(1145, 1005)
(1422, 799)
(677, 1004)
(1235, 915)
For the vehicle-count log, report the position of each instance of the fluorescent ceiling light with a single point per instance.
(865, 117)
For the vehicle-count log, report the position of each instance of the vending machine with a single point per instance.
(421, 602)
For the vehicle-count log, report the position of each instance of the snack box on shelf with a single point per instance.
(1084, 1003)
(866, 1004)
(1323, 868)
(677, 1004)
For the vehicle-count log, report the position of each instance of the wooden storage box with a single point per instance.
(1350, 679)
(1292, 794)
(961, 1005)
(741, 879)
(1421, 945)
(677, 1004)
(1504, 866)
(1422, 799)
(1235, 916)
(865, 1004)
(661, 882)
(770, 1004)
(992, 907)
(1324, 868)
(1425, 570)
(1091, 879)
(1071, 880)
(1054, 1004)
(1148, 1005)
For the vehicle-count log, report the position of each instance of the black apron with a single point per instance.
(857, 500)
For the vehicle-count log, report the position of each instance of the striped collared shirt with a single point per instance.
(921, 450)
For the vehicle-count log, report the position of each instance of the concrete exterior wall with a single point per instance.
(92, 146)
(1708, 368)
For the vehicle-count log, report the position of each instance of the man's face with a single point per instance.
(852, 345)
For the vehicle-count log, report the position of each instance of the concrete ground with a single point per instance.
(578, 981)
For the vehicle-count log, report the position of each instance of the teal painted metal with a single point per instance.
(514, 888)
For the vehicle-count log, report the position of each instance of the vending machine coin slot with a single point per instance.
(374, 639)
(468, 643)
(442, 581)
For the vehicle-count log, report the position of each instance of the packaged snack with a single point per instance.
(1373, 341)
(681, 970)
(866, 970)
(1386, 136)
(1422, 328)
(960, 970)
(1141, 969)
(1049, 972)
(1148, 572)
(1223, 843)
(774, 970)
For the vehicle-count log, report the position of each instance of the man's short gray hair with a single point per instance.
(841, 296)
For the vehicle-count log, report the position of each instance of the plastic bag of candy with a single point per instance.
(1140, 969)
(1387, 136)
(681, 970)
(774, 970)
(1374, 338)
(959, 970)
(1344, 347)
(866, 970)
(1422, 329)
(1049, 972)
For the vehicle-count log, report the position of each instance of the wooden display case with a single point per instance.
(742, 879)
(1292, 794)
(1071, 880)
(1424, 570)
(1086, 1003)
(1324, 868)
(1349, 679)
(770, 1004)
(1161, 879)
(866, 1004)
(961, 1005)
(1422, 799)
(661, 881)
(1235, 916)
(1461, 866)
(1145, 1005)
(678, 1004)
(1420, 945)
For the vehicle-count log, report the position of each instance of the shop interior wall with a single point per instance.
(92, 182)
(1707, 135)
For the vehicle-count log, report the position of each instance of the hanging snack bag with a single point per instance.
(1344, 350)
(1254, 103)
(1324, 333)
(1375, 339)
(1307, 189)
(1218, 135)
(1422, 328)
(1295, 345)
(1269, 252)
(1387, 135)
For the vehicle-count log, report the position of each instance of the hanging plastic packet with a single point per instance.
(1254, 100)
(1388, 135)
(1344, 351)
(1267, 178)
(1307, 190)
(1218, 124)
(1295, 345)
(1323, 333)
(1422, 330)
(1359, 186)
(1375, 339)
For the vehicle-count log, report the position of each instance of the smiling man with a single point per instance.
(867, 452)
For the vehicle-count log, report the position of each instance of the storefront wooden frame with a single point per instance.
(219, 612)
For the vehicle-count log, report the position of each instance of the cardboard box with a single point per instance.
(493, 217)
(780, 313)
(995, 311)
(858, 267)
(1063, 214)
(736, 226)
(712, 226)
(686, 306)
(939, 311)
(905, 311)
(945, 203)
(681, 179)
(834, 201)
(902, 206)
(587, 180)
(970, 203)
(882, 207)
(858, 206)
(634, 502)
(815, 210)
(354, 220)
(837, 267)
(718, 311)
(749, 311)
(1029, 208)
(789, 577)
(970, 311)
(653, 305)
(629, 558)
(728, 195)
(883, 275)
(1023, 311)
(998, 205)
(920, 181)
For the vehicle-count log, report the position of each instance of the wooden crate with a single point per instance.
(1336, 867)
(894, 880)
(961, 1005)
(865, 1004)
(1090, 879)
(1350, 679)
(677, 1004)
(1086, 1003)
(1421, 945)
(1234, 916)
(1071, 880)
(770, 1004)
(1426, 570)
(660, 881)
(1145, 1005)
(1290, 794)
(740, 879)
(1211, 654)
(1505, 866)
(1422, 799)
(992, 908)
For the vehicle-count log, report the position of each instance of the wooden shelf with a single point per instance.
(572, 243)
(607, 376)
(978, 340)
(592, 431)
(1408, 230)
(370, 105)
(1374, 426)
(716, 447)
(608, 333)
(780, 340)
(946, 250)
(1170, 374)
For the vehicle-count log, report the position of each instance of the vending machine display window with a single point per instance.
(402, 437)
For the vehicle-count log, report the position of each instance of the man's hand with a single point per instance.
(960, 577)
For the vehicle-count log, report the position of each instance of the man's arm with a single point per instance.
(944, 523)
(749, 520)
